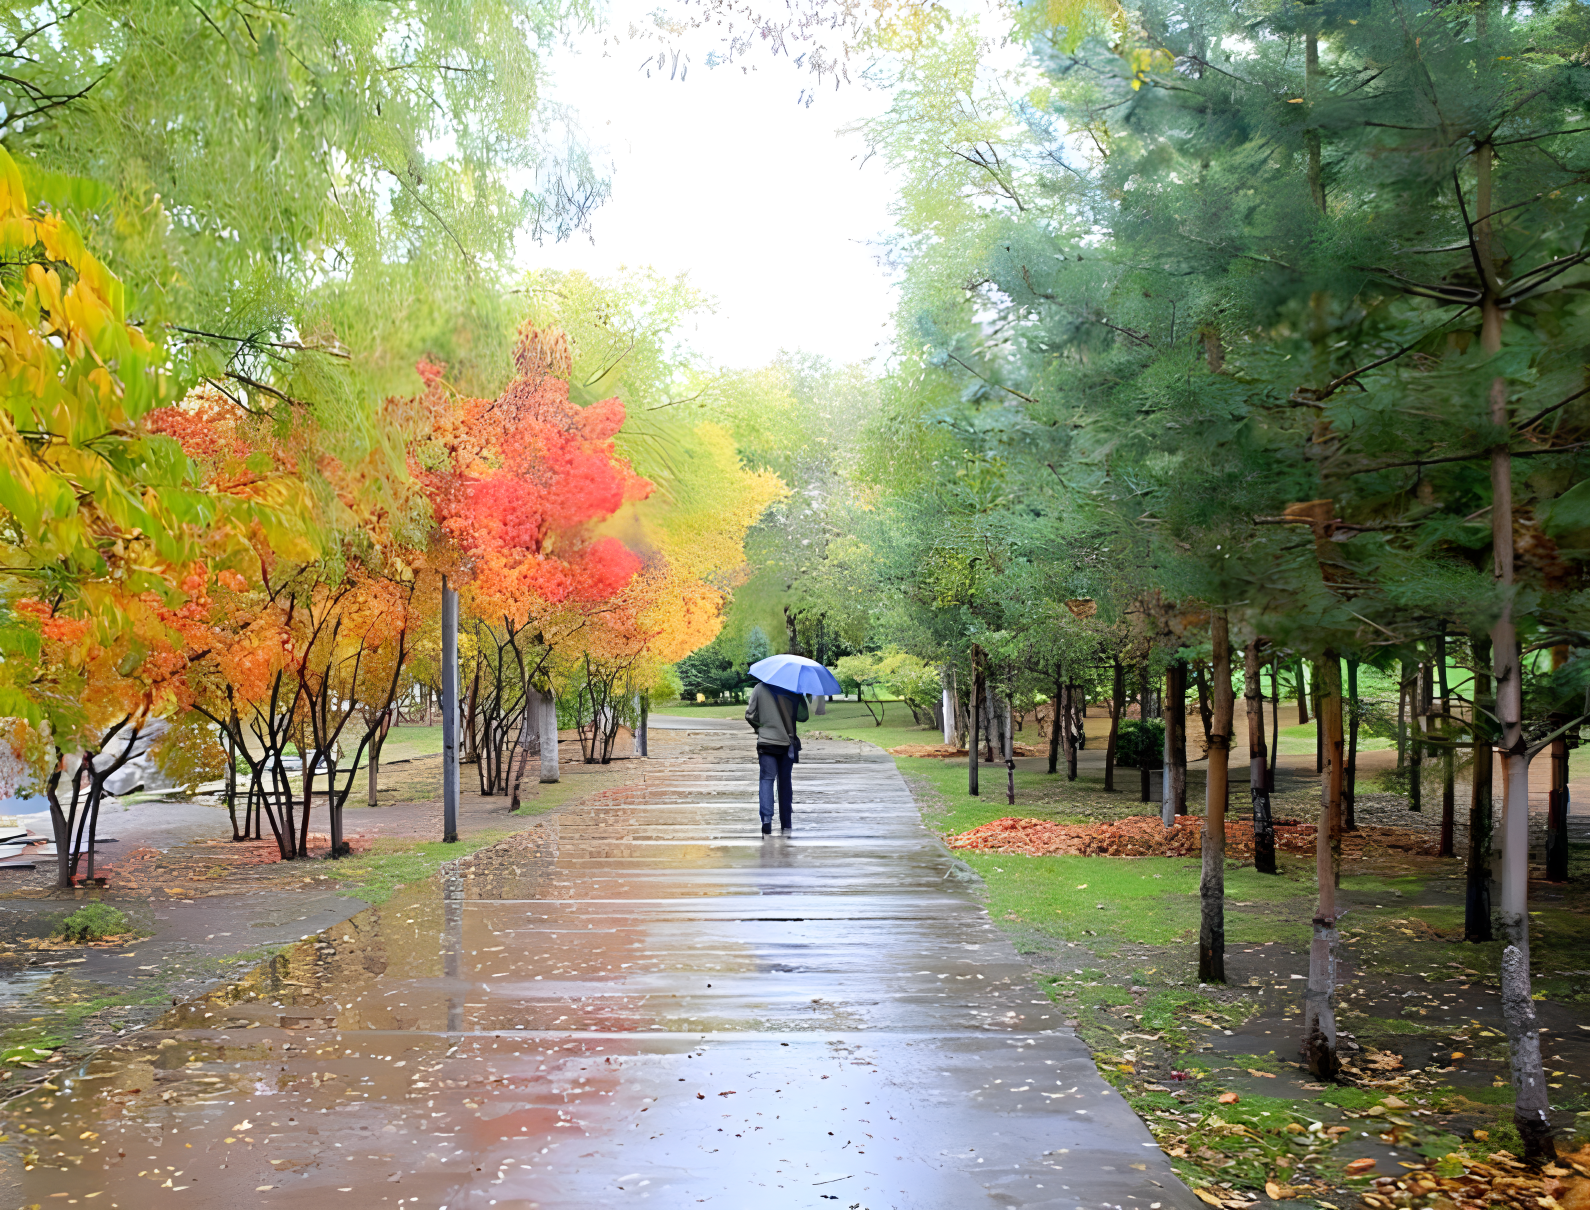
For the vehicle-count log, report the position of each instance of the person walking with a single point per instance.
(773, 713)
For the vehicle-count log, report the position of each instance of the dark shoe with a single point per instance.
(767, 829)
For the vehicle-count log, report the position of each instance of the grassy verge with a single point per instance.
(391, 864)
(1113, 942)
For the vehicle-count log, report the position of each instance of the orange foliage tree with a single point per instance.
(108, 535)
(293, 652)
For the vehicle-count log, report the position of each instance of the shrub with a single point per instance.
(711, 672)
(1140, 739)
(94, 923)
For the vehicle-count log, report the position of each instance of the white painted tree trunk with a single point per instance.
(1529, 1078)
(549, 735)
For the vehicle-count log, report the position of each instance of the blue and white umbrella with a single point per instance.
(795, 673)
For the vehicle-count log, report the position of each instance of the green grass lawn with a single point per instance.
(1105, 901)
(405, 743)
(692, 710)
(1299, 741)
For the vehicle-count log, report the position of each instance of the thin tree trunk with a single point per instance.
(374, 772)
(952, 706)
(1117, 709)
(1319, 1013)
(231, 779)
(529, 745)
(791, 634)
(974, 710)
(1058, 720)
(987, 720)
(1175, 740)
(376, 743)
(1075, 716)
(946, 686)
(1302, 696)
(1212, 881)
(1411, 671)
(1350, 778)
(1010, 753)
(1402, 721)
(1275, 722)
(1448, 786)
(1201, 681)
(1514, 912)
(1477, 900)
(334, 808)
(471, 747)
(1258, 762)
(1557, 801)
(1509, 698)
(1145, 759)
(1319, 740)
(1426, 709)
(1528, 1076)
(1335, 743)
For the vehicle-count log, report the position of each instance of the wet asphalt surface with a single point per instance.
(641, 1001)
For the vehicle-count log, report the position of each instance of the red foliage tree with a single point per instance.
(517, 484)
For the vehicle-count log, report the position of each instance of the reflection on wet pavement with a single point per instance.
(640, 1000)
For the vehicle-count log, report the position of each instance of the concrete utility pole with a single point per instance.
(449, 713)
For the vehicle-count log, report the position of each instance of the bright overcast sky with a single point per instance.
(725, 177)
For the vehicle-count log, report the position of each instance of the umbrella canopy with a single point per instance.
(795, 673)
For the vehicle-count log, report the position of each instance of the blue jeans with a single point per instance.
(776, 769)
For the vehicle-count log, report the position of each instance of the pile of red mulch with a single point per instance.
(1146, 836)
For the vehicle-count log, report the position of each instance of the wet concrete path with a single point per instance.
(641, 1001)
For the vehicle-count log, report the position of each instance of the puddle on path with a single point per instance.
(640, 1000)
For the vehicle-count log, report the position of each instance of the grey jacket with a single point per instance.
(773, 715)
